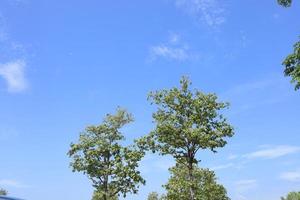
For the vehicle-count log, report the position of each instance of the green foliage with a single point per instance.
(99, 196)
(186, 121)
(292, 65)
(3, 192)
(292, 61)
(292, 196)
(111, 166)
(285, 3)
(204, 183)
(153, 196)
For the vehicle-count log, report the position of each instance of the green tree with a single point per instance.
(292, 196)
(292, 65)
(285, 3)
(292, 61)
(111, 167)
(205, 183)
(99, 196)
(153, 196)
(186, 121)
(3, 192)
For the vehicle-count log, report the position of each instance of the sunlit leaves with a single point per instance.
(111, 166)
(204, 183)
(3, 192)
(186, 121)
(292, 196)
(285, 3)
(292, 66)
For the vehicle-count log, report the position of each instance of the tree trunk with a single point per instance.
(105, 196)
(191, 179)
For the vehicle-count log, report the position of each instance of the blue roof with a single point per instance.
(8, 198)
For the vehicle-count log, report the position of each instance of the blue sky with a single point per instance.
(65, 64)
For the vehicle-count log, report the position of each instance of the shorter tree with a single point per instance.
(204, 183)
(285, 3)
(292, 61)
(292, 65)
(292, 196)
(3, 192)
(99, 196)
(111, 167)
(153, 196)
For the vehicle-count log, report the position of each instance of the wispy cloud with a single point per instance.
(293, 176)
(12, 183)
(169, 52)
(18, 2)
(273, 152)
(12, 69)
(244, 186)
(2, 29)
(256, 85)
(248, 96)
(232, 156)
(225, 166)
(14, 75)
(210, 12)
(156, 163)
(7, 133)
(174, 49)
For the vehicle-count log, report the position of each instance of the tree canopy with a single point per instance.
(111, 166)
(204, 183)
(292, 196)
(186, 121)
(3, 192)
(292, 65)
(153, 196)
(285, 3)
(292, 61)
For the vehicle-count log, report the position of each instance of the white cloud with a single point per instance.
(273, 152)
(174, 38)
(225, 166)
(174, 49)
(7, 133)
(211, 12)
(12, 183)
(14, 75)
(156, 163)
(275, 16)
(19, 2)
(246, 183)
(257, 85)
(232, 156)
(245, 97)
(293, 176)
(169, 52)
(244, 186)
(3, 33)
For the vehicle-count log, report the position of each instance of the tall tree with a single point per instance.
(3, 192)
(292, 61)
(292, 196)
(99, 196)
(186, 121)
(205, 184)
(111, 167)
(153, 196)
(285, 3)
